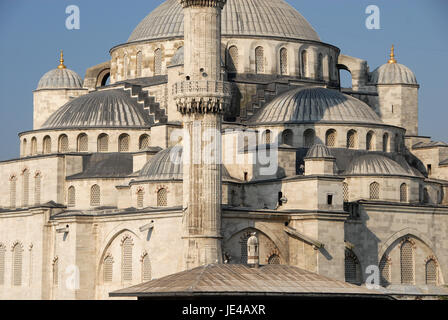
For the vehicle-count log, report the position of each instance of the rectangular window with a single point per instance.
(329, 199)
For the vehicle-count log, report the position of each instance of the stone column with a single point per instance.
(202, 98)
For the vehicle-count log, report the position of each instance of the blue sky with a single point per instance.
(33, 31)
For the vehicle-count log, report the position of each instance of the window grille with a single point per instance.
(233, 59)
(63, 144)
(403, 192)
(123, 143)
(352, 268)
(309, 136)
(140, 198)
(345, 191)
(331, 138)
(259, 60)
(407, 263)
(351, 139)
(157, 62)
(126, 260)
(103, 143)
(95, 196)
(71, 195)
(143, 142)
(37, 189)
(108, 265)
(374, 191)
(83, 143)
(162, 198)
(243, 243)
(385, 272)
(267, 137)
(274, 259)
(284, 61)
(139, 64)
(47, 145)
(26, 188)
(431, 272)
(17, 265)
(2, 264)
(146, 268)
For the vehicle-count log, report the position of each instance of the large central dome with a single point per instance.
(267, 18)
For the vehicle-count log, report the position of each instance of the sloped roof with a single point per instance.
(235, 279)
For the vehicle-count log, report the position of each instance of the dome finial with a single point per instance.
(392, 55)
(61, 65)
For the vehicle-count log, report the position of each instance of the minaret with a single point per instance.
(202, 98)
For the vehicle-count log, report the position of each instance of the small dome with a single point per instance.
(393, 73)
(319, 151)
(168, 165)
(376, 164)
(100, 109)
(178, 57)
(60, 79)
(313, 105)
(268, 18)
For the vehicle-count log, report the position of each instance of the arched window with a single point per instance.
(370, 141)
(108, 267)
(331, 68)
(162, 198)
(126, 259)
(17, 267)
(63, 144)
(146, 268)
(12, 191)
(374, 191)
(385, 271)
(320, 69)
(123, 143)
(33, 146)
(25, 188)
(143, 142)
(288, 137)
(259, 60)
(345, 191)
(352, 268)
(24, 147)
(125, 66)
(304, 63)
(37, 188)
(157, 62)
(56, 272)
(140, 194)
(283, 61)
(232, 59)
(309, 137)
(2, 264)
(71, 196)
(83, 143)
(274, 259)
(352, 139)
(431, 272)
(403, 193)
(407, 262)
(103, 143)
(425, 195)
(243, 244)
(330, 138)
(139, 64)
(95, 196)
(386, 142)
(397, 143)
(267, 137)
(47, 145)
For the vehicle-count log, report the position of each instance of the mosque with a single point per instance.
(107, 192)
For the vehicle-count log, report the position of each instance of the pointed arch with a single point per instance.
(17, 264)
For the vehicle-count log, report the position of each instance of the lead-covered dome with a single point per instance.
(393, 73)
(377, 164)
(60, 79)
(267, 18)
(319, 151)
(313, 105)
(100, 109)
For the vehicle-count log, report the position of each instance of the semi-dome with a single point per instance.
(108, 108)
(376, 164)
(167, 165)
(319, 151)
(393, 73)
(312, 105)
(267, 18)
(60, 79)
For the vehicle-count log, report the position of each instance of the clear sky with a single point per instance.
(33, 31)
